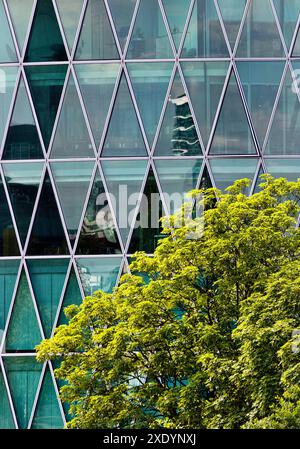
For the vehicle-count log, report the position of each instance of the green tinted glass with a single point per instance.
(232, 12)
(7, 48)
(72, 297)
(99, 274)
(8, 276)
(20, 11)
(177, 15)
(122, 11)
(226, 171)
(6, 419)
(70, 14)
(8, 240)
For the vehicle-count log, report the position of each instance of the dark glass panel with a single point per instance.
(122, 11)
(96, 40)
(178, 135)
(46, 84)
(8, 276)
(98, 234)
(23, 375)
(124, 137)
(149, 38)
(23, 331)
(99, 274)
(72, 297)
(47, 279)
(204, 38)
(8, 241)
(6, 418)
(22, 140)
(23, 181)
(47, 236)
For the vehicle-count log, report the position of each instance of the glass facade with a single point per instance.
(157, 96)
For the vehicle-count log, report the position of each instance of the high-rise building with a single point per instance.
(100, 102)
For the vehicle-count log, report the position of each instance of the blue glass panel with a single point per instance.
(99, 274)
(8, 276)
(226, 171)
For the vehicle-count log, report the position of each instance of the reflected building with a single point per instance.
(102, 105)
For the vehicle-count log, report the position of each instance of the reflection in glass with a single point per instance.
(226, 171)
(23, 331)
(47, 413)
(205, 82)
(47, 236)
(177, 178)
(149, 38)
(20, 11)
(284, 168)
(232, 12)
(98, 234)
(23, 181)
(8, 241)
(204, 38)
(287, 13)
(8, 276)
(178, 135)
(23, 374)
(284, 135)
(71, 136)
(232, 134)
(260, 81)
(22, 140)
(72, 181)
(122, 11)
(177, 15)
(70, 14)
(150, 82)
(96, 40)
(97, 82)
(8, 76)
(45, 41)
(260, 36)
(99, 274)
(7, 48)
(47, 279)
(46, 84)
(124, 181)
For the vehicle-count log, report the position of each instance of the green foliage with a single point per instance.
(204, 338)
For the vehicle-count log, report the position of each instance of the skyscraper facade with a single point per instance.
(104, 103)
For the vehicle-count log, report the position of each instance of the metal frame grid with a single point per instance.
(205, 158)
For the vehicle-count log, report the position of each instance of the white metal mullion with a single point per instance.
(12, 30)
(165, 208)
(130, 31)
(186, 26)
(294, 37)
(219, 108)
(279, 92)
(79, 28)
(62, 31)
(217, 8)
(112, 26)
(255, 177)
(167, 27)
(29, 28)
(163, 111)
(242, 25)
(286, 50)
(10, 112)
(37, 395)
(9, 396)
(76, 271)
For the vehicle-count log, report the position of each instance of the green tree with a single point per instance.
(200, 334)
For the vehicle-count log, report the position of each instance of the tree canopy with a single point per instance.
(200, 335)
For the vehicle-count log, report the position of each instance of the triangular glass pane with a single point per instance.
(260, 36)
(99, 274)
(122, 12)
(147, 229)
(7, 48)
(47, 236)
(176, 13)
(6, 418)
(45, 40)
(124, 181)
(8, 240)
(72, 181)
(70, 14)
(205, 81)
(23, 375)
(22, 337)
(124, 136)
(20, 12)
(296, 50)
(22, 140)
(150, 81)
(284, 168)
(96, 40)
(72, 297)
(232, 12)
(98, 234)
(23, 181)
(232, 134)
(47, 279)
(8, 76)
(71, 136)
(97, 82)
(177, 178)
(284, 135)
(260, 81)
(287, 13)
(205, 182)
(149, 38)
(178, 135)
(204, 38)
(226, 171)
(258, 181)
(46, 84)
(47, 413)
(8, 275)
